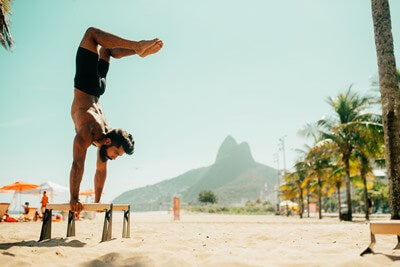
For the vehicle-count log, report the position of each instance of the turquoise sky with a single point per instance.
(256, 70)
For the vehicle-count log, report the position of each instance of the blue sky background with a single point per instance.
(256, 70)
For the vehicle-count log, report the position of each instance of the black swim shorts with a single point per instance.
(90, 76)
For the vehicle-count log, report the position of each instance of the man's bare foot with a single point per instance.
(144, 44)
(152, 49)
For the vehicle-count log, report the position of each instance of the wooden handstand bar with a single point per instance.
(391, 227)
(107, 228)
(89, 207)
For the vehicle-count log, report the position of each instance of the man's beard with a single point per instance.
(103, 153)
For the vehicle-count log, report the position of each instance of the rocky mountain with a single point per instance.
(235, 177)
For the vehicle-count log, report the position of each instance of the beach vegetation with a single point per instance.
(346, 128)
(346, 146)
(207, 197)
(255, 207)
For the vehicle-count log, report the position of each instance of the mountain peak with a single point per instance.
(235, 177)
(230, 149)
(229, 142)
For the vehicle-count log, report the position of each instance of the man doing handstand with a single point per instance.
(91, 126)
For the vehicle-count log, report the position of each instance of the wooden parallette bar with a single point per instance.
(89, 207)
(121, 207)
(86, 207)
(385, 227)
(107, 228)
(391, 227)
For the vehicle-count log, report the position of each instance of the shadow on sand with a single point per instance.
(56, 242)
(391, 257)
(114, 259)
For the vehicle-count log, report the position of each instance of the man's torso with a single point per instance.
(86, 112)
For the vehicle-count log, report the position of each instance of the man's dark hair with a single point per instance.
(122, 138)
(44, 192)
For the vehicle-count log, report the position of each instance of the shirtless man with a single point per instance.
(92, 63)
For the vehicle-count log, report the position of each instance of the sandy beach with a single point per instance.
(198, 240)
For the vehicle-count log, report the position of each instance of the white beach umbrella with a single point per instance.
(51, 189)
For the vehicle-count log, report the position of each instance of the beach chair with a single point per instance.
(3, 210)
(391, 227)
(30, 215)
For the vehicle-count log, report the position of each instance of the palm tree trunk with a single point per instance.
(319, 198)
(390, 99)
(301, 203)
(308, 200)
(349, 216)
(339, 200)
(365, 195)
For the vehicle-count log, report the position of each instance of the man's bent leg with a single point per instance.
(122, 52)
(94, 37)
(118, 52)
(105, 54)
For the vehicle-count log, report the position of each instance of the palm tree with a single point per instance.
(368, 148)
(343, 128)
(289, 187)
(334, 182)
(5, 34)
(298, 177)
(376, 90)
(307, 186)
(318, 163)
(390, 96)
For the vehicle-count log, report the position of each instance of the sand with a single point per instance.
(198, 240)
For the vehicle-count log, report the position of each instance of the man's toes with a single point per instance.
(154, 48)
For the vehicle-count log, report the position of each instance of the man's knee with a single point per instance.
(90, 33)
(89, 39)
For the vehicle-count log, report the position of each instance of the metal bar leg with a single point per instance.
(107, 227)
(46, 226)
(398, 243)
(126, 224)
(71, 224)
(369, 250)
(104, 235)
(109, 230)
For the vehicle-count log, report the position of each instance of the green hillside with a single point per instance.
(235, 178)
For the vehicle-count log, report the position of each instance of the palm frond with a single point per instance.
(5, 33)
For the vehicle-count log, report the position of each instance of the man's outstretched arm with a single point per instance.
(100, 177)
(82, 141)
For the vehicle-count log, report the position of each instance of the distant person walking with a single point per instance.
(44, 201)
